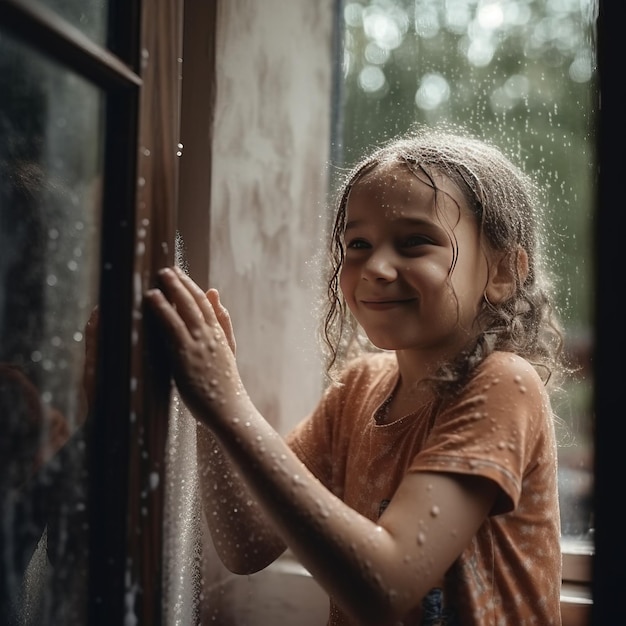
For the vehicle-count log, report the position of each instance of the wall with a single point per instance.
(271, 145)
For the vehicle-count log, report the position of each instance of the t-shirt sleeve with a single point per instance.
(493, 429)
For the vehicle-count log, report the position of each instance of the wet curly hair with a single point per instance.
(505, 202)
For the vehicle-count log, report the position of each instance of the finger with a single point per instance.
(208, 310)
(223, 317)
(167, 315)
(188, 300)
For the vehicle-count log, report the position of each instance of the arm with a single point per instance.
(376, 571)
(242, 535)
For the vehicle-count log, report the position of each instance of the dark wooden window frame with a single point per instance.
(139, 74)
(610, 327)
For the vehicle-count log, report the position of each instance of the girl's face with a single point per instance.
(400, 247)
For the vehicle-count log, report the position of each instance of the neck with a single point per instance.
(408, 397)
(414, 367)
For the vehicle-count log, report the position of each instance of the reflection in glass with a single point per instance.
(50, 180)
(89, 16)
(522, 74)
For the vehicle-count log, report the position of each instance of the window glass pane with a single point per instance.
(89, 16)
(50, 190)
(520, 73)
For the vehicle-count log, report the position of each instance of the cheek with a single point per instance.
(430, 273)
(346, 280)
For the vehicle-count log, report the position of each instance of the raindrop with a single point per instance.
(372, 79)
(433, 91)
(153, 480)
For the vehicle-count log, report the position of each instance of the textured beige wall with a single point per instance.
(269, 183)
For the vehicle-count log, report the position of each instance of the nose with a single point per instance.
(379, 266)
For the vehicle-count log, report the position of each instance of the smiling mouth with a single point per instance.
(384, 305)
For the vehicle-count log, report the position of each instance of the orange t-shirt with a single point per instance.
(500, 427)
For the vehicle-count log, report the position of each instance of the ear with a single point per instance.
(506, 272)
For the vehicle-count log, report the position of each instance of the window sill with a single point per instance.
(576, 598)
(577, 560)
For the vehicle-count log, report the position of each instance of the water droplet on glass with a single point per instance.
(153, 480)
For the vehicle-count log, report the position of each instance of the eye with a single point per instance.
(415, 240)
(357, 244)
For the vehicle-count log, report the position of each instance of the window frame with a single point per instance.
(140, 77)
(610, 331)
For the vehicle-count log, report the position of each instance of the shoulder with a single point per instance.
(508, 370)
(507, 388)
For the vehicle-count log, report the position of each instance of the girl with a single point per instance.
(423, 488)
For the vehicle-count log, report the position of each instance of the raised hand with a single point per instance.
(201, 342)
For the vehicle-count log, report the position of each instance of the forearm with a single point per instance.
(244, 538)
(355, 560)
